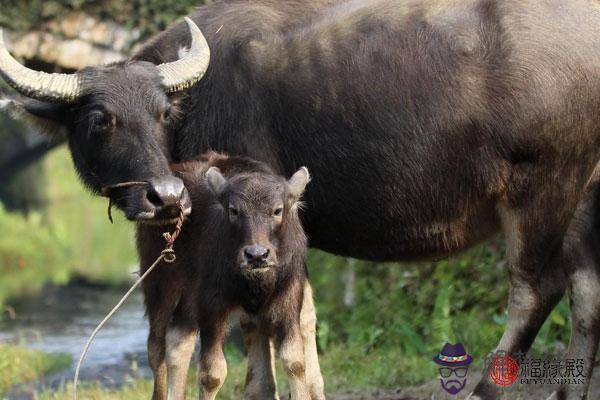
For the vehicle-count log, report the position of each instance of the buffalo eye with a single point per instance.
(233, 212)
(278, 211)
(100, 121)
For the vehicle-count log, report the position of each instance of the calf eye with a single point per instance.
(278, 211)
(233, 212)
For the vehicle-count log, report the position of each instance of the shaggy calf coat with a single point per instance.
(243, 248)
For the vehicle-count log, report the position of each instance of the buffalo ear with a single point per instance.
(216, 181)
(49, 118)
(298, 182)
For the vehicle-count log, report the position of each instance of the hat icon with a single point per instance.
(453, 355)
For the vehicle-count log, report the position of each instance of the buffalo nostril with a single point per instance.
(154, 198)
(166, 191)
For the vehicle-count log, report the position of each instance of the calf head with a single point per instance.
(261, 213)
(116, 119)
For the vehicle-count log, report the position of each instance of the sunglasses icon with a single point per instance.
(460, 372)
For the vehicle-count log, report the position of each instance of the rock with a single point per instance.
(76, 41)
(102, 33)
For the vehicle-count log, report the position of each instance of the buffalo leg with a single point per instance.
(537, 281)
(213, 366)
(260, 378)
(308, 327)
(585, 327)
(582, 246)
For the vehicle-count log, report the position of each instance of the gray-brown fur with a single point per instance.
(243, 205)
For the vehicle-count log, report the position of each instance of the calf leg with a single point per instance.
(308, 328)
(534, 242)
(291, 350)
(260, 379)
(213, 366)
(156, 358)
(160, 304)
(181, 341)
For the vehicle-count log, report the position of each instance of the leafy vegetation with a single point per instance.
(403, 314)
(21, 365)
(99, 251)
(30, 255)
(70, 237)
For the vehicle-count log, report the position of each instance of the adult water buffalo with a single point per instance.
(429, 126)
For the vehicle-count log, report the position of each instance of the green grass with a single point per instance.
(142, 388)
(19, 365)
(343, 370)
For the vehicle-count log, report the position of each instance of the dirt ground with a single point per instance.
(428, 391)
(433, 391)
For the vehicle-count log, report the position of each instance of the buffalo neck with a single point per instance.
(234, 108)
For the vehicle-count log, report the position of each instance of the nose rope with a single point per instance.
(106, 190)
(171, 237)
(167, 255)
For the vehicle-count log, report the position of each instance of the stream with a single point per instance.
(60, 320)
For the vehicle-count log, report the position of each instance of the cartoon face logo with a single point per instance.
(454, 366)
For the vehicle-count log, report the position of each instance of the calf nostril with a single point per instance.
(265, 254)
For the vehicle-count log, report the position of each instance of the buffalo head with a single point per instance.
(116, 119)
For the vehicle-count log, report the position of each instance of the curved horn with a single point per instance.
(189, 69)
(61, 88)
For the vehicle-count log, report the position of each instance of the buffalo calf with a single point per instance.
(242, 248)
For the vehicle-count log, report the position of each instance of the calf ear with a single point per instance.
(216, 181)
(298, 182)
(49, 118)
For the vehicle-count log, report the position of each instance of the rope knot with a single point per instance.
(169, 255)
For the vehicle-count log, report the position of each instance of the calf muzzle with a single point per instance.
(257, 256)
